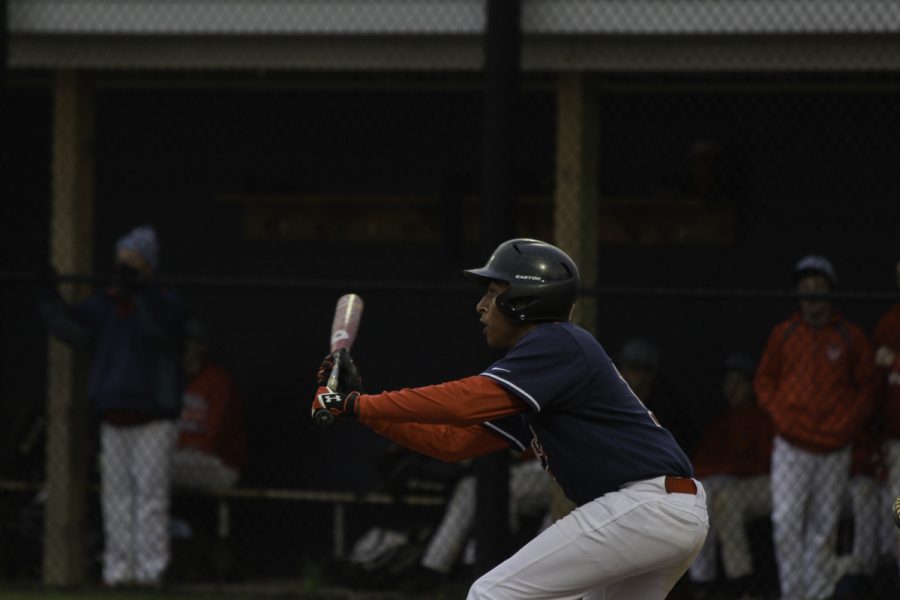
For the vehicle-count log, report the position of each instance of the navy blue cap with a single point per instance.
(815, 264)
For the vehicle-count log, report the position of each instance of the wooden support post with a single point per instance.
(575, 197)
(70, 252)
(575, 204)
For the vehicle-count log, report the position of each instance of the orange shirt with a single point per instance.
(212, 417)
(738, 443)
(433, 421)
(887, 333)
(817, 384)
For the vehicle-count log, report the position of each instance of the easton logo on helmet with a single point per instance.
(543, 280)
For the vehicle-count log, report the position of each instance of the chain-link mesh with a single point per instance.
(687, 154)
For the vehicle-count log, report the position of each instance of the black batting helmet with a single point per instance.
(543, 280)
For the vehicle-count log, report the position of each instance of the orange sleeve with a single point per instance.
(460, 403)
(444, 442)
(442, 421)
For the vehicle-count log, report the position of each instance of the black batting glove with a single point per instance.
(349, 379)
(338, 405)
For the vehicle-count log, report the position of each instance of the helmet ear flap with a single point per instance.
(516, 309)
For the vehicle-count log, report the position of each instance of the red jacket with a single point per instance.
(212, 419)
(738, 443)
(817, 384)
(887, 333)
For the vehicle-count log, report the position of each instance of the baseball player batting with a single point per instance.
(640, 518)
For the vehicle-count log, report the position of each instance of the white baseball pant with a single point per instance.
(631, 544)
(737, 503)
(529, 493)
(892, 460)
(861, 504)
(194, 469)
(807, 490)
(732, 502)
(135, 500)
(704, 567)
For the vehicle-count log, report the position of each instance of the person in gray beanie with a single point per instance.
(134, 330)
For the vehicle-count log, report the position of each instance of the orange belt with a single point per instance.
(680, 485)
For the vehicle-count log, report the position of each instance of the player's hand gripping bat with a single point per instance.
(897, 511)
(344, 326)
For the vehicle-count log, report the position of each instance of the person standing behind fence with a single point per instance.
(816, 380)
(887, 358)
(732, 461)
(134, 329)
(210, 448)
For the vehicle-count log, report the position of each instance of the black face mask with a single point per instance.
(126, 274)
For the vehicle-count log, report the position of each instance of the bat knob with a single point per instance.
(323, 417)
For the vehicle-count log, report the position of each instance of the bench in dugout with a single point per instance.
(220, 503)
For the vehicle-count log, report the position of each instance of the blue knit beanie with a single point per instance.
(815, 264)
(143, 241)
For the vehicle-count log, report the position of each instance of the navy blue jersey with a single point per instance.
(586, 425)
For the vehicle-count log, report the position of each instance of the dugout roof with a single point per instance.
(446, 34)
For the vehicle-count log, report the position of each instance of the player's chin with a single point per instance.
(497, 342)
(489, 338)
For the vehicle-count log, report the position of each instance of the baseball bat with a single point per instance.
(344, 327)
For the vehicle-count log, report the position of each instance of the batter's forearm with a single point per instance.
(450, 444)
(460, 403)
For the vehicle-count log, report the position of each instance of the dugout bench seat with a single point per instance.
(222, 498)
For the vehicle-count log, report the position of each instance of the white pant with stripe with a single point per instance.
(194, 469)
(134, 465)
(892, 460)
(529, 493)
(733, 501)
(807, 493)
(631, 544)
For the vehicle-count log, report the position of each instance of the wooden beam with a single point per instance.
(70, 252)
(575, 196)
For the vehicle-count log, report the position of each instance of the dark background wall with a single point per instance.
(806, 169)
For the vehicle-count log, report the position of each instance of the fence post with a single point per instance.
(501, 75)
(70, 252)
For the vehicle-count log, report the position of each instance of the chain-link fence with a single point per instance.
(687, 154)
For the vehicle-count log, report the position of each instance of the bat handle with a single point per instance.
(335, 373)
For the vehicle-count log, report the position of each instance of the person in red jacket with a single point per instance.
(886, 340)
(210, 448)
(816, 379)
(732, 461)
